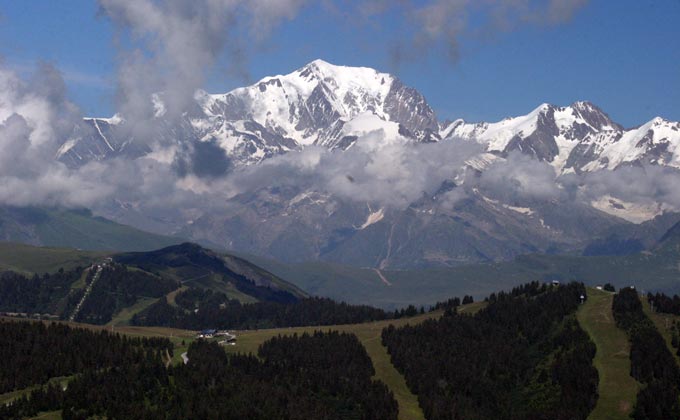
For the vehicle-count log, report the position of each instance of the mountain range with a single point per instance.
(328, 105)
(344, 109)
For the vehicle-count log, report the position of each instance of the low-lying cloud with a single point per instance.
(636, 184)
(394, 175)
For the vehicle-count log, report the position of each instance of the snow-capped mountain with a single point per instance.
(333, 106)
(575, 138)
(313, 104)
(318, 104)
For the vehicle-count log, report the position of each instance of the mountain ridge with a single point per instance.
(312, 105)
(369, 113)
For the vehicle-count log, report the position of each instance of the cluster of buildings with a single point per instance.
(50, 317)
(229, 337)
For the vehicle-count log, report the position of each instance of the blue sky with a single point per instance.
(623, 56)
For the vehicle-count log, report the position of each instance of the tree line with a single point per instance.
(32, 352)
(319, 376)
(198, 308)
(36, 294)
(665, 304)
(652, 364)
(118, 287)
(524, 356)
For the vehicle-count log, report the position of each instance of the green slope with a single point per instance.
(33, 259)
(617, 389)
(74, 229)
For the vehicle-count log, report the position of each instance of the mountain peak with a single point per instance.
(344, 78)
(585, 105)
(319, 63)
(593, 115)
(657, 121)
(326, 67)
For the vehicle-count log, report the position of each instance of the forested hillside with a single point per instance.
(118, 287)
(319, 376)
(109, 289)
(32, 352)
(197, 309)
(652, 364)
(664, 303)
(127, 284)
(524, 356)
(37, 294)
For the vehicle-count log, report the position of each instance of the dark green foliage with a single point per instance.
(336, 364)
(609, 287)
(665, 304)
(40, 399)
(31, 352)
(527, 290)
(319, 376)
(38, 294)
(657, 401)
(522, 357)
(119, 287)
(199, 309)
(407, 312)
(450, 304)
(651, 362)
(116, 288)
(627, 309)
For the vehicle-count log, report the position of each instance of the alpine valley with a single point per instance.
(344, 122)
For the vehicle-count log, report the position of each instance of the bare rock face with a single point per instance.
(541, 143)
(408, 107)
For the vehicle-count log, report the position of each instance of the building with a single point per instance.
(206, 334)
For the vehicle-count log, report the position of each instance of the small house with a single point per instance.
(206, 334)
